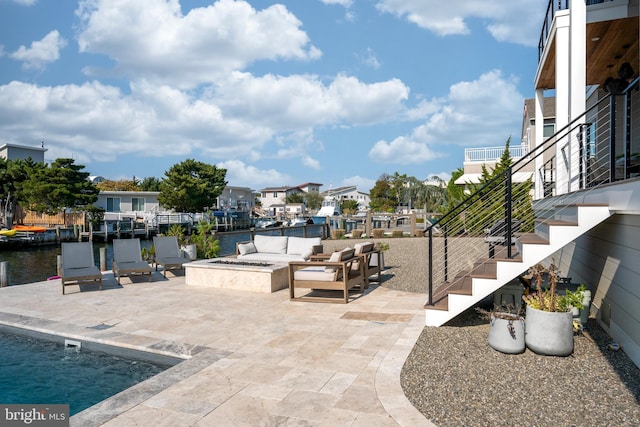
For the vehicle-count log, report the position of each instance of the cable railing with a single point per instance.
(580, 156)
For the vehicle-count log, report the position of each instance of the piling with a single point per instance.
(103, 259)
(4, 274)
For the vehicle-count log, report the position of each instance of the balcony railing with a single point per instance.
(491, 154)
(552, 8)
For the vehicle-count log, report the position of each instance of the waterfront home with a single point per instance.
(586, 178)
(11, 151)
(349, 192)
(277, 195)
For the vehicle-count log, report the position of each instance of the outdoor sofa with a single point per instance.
(278, 249)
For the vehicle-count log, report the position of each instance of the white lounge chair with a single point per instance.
(78, 266)
(127, 259)
(168, 254)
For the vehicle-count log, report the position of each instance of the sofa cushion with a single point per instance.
(271, 244)
(270, 258)
(302, 245)
(247, 248)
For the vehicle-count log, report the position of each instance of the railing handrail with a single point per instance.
(506, 175)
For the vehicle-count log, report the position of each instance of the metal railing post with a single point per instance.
(430, 301)
(446, 254)
(612, 138)
(507, 208)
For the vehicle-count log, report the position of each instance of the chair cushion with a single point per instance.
(302, 245)
(316, 273)
(271, 244)
(338, 256)
(363, 247)
(247, 248)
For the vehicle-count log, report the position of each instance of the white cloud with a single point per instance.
(364, 184)
(241, 174)
(24, 2)
(370, 59)
(345, 3)
(506, 20)
(154, 40)
(41, 52)
(469, 116)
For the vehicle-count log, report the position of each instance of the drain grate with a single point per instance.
(378, 317)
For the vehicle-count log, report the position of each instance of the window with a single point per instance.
(137, 203)
(549, 130)
(113, 204)
(275, 195)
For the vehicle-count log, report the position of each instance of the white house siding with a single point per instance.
(607, 260)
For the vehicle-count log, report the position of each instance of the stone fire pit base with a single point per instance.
(229, 273)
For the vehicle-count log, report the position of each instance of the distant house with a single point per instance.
(10, 151)
(240, 198)
(349, 193)
(276, 195)
(134, 203)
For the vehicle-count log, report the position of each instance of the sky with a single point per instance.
(336, 92)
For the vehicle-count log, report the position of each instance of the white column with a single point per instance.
(578, 84)
(563, 79)
(538, 140)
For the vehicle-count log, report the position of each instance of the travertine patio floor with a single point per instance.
(250, 358)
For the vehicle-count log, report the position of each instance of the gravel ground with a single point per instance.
(454, 378)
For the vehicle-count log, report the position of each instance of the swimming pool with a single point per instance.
(36, 371)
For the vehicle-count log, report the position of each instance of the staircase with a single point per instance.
(489, 274)
(536, 218)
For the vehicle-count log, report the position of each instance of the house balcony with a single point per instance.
(611, 37)
(492, 154)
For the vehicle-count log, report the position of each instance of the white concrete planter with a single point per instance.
(190, 251)
(377, 258)
(549, 333)
(506, 333)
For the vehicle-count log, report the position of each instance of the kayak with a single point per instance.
(8, 233)
(32, 228)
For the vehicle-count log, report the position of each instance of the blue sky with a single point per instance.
(336, 92)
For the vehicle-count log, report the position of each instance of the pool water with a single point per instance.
(45, 372)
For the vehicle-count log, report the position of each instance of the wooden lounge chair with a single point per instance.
(335, 274)
(127, 259)
(78, 266)
(168, 254)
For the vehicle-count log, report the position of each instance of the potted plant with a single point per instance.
(206, 245)
(184, 241)
(549, 318)
(506, 328)
(378, 257)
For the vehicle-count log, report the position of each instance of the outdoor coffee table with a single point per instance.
(230, 273)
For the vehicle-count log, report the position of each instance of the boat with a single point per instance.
(330, 207)
(31, 228)
(8, 233)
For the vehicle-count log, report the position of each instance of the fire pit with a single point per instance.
(230, 273)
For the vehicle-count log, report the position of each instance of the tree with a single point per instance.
(61, 185)
(191, 186)
(349, 206)
(294, 198)
(381, 195)
(13, 174)
(490, 207)
(120, 185)
(313, 200)
(150, 184)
